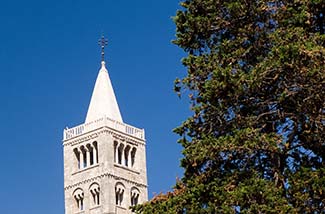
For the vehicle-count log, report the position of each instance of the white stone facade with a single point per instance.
(104, 167)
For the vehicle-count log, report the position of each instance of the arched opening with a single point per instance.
(119, 194)
(95, 193)
(79, 199)
(127, 155)
(83, 156)
(77, 154)
(120, 153)
(91, 154)
(133, 152)
(135, 193)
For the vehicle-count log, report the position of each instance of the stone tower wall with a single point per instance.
(107, 173)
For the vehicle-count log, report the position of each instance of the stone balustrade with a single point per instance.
(69, 133)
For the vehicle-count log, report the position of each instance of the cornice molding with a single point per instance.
(123, 138)
(103, 130)
(108, 175)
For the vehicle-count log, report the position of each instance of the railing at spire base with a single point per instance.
(102, 122)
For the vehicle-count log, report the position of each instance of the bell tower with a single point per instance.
(104, 158)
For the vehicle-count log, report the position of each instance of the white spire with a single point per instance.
(103, 101)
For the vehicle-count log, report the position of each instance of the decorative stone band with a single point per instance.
(109, 175)
(103, 130)
(104, 121)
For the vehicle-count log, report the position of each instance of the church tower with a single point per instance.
(104, 158)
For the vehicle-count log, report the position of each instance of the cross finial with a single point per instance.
(102, 43)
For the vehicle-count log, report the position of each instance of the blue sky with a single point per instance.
(49, 59)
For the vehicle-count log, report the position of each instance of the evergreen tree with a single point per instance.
(256, 83)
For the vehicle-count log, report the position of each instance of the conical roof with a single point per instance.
(103, 101)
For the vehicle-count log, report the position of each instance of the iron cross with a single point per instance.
(102, 43)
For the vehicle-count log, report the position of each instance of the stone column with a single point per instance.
(93, 194)
(129, 158)
(94, 155)
(123, 158)
(81, 159)
(79, 204)
(88, 157)
(116, 153)
(95, 197)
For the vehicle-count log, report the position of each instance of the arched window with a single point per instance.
(90, 153)
(95, 193)
(127, 156)
(78, 195)
(124, 154)
(78, 156)
(86, 155)
(134, 150)
(83, 160)
(119, 194)
(120, 153)
(135, 193)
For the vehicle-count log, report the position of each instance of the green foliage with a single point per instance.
(256, 83)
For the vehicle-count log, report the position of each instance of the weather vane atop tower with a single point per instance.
(102, 43)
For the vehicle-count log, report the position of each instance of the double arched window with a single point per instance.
(135, 193)
(78, 195)
(95, 193)
(94, 197)
(86, 155)
(124, 154)
(119, 194)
